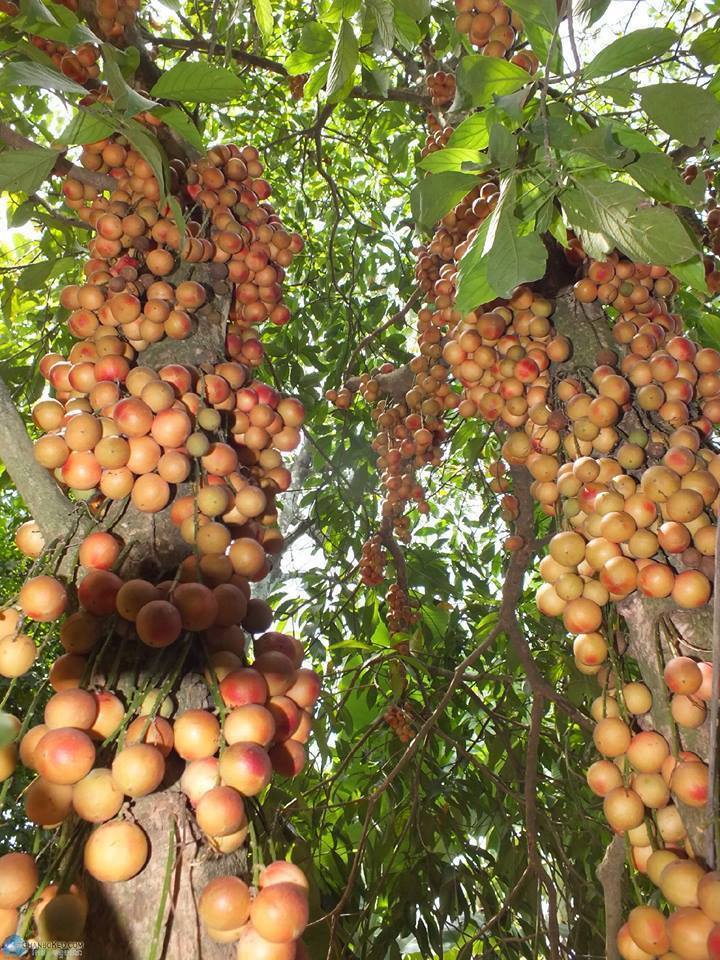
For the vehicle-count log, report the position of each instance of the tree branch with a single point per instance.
(610, 874)
(50, 509)
(398, 94)
(101, 181)
(395, 318)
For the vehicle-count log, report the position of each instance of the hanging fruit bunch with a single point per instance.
(202, 440)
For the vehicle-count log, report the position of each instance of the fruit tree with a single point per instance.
(359, 396)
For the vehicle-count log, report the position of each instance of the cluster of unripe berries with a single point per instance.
(399, 721)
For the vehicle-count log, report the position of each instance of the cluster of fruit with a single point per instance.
(80, 65)
(113, 17)
(441, 87)
(119, 429)
(265, 723)
(692, 929)
(264, 925)
(493, 27)
(400, 722)
(372, 561)
(139, 259)
(437, 138)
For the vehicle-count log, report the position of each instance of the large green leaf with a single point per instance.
(14, 76)
(384, 14)
(483, 78)
(179, 120)
(706, 47)
(451, 158)
(619, 213)
(343, 61)
(473, 288)
(543, 13)
(511, 257)
(472, 132)
(658, 176)
(86, 126)
(198, 83)
(264, 17)
(23, 171)
(125, 98)
(315, 45)
(687, 113)
(433, 196)
(632, 50)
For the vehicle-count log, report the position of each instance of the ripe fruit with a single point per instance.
(18, 879)
(197, 736)
(225, 903)
(279, 913)
(64, 756)
(246, 767)
(42, 598)
(116, 851)
(138, 769)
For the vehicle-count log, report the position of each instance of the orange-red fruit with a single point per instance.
(64, 755)
(99, 550)
(246, 767)
(225, 903)
(158, 623)
(116, 851)
(43, 598)
(18, 879)
(197, 736)
(279, 913)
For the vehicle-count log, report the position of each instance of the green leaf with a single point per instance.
(343, 61)
(482, 78)
(198, 83)
(472, 132)
(315, 45)
(264, 18)
(416, 9)
(618, 213)
(433, 196)
(687, 113)
(148, 146)
(384, 14)
(21, 74)
(177, 119)
(36, 10)
(23, 171)
(619, 89)
(631, 50)
(473, 288)
(541, 12)
(34, 275)
(450, 158)
(503, 147)
(692, 274)
(125, 99)
(591, 10)
(658, 176)
(511, 259)
(706, 47)
(86, 126)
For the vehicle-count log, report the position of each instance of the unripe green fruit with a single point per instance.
(638, 436)
(209, 419)
(197, 444)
